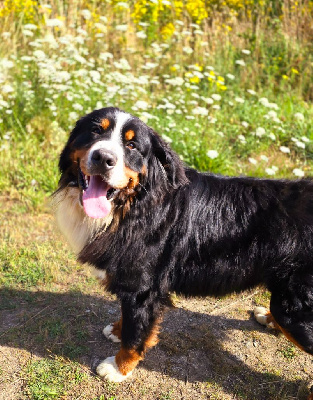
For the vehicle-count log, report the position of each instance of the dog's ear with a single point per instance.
(169, 160)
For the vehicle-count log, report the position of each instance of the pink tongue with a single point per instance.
(96, 204)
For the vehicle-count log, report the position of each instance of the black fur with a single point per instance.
(204, 234)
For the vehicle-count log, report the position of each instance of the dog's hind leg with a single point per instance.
(264, 317)
(141, 317)
(292, 311)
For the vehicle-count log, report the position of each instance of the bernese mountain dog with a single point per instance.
(151, 226)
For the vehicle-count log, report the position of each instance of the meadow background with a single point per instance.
(227, 82)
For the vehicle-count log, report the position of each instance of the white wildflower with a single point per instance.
(240, 62)
(230, 76)
(7, 89)
(299, 116)
(264, 158)
(122, 4)
(78, 107)
(39, 54)
(242, 138)
(252, 161)
(298, 172)
(105, 56)
(239, 100)
(207, 100)
(216, 97)
(86, 14)
(27, 32)
(178, 81)
(244, 124)
(270, 171)
(245, 51)
(121, 28)
(252, 92)
(216, 107)
(200, 111)
(95, 76)
(31, 27)
(54, 23)
(272, 114)
(260, 131)
(73, 116)
(284, 149)
(272, 136)
(273, 105)
(141, 104)
(264, 101)
(299, 144)
(212, 154)
(141, 34)
(167, 139)
(305, 139)
(187, 50)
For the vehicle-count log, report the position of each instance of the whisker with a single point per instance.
(143, 188)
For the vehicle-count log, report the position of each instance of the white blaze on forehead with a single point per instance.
(114, 144)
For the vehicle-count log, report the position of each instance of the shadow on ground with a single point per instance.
(191, 349)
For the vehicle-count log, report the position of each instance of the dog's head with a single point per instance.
(112, 157)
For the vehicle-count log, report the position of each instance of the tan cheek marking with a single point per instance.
(129, 135)
(132, 177)
(105, 123)
(127, 359)
(80, 155)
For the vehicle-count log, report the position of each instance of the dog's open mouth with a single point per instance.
(97, 195)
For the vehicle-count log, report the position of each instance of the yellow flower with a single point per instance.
(199, 67)
(194, 79)
(285, 77)
(294, 71)
(167, 30)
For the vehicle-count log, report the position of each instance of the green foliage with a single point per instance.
(232, 94)
(51, 378)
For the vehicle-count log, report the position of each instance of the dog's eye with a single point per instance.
(131, 145)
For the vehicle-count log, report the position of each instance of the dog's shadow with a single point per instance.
(191, 349)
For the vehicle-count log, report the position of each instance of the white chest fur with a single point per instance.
(75, 225)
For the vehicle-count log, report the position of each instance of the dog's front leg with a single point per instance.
(141, 316)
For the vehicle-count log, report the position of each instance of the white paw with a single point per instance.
(108, 369)
(260, 314)
(107, 331)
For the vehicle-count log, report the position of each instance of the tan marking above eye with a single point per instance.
(130, 134)
(105, 123)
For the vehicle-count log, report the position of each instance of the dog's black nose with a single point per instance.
(105, 158)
